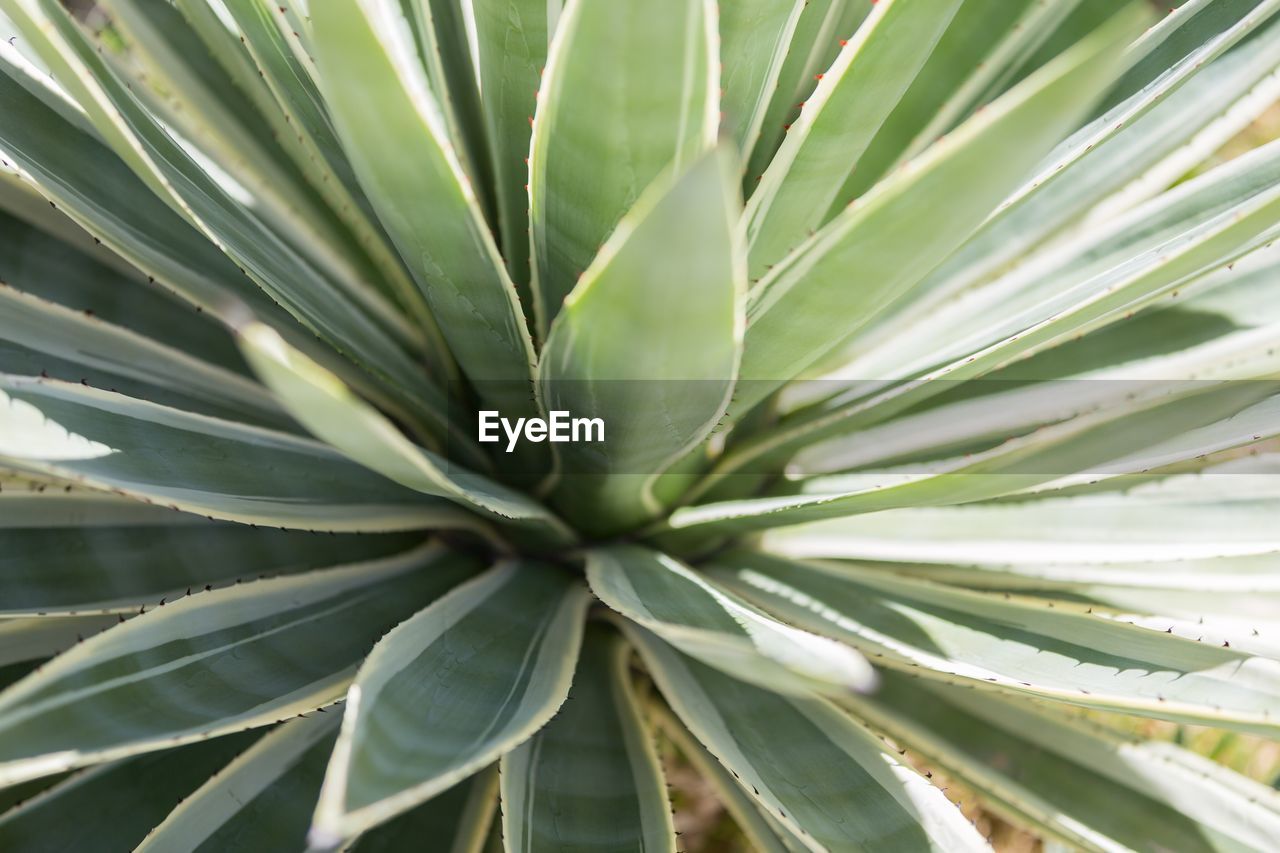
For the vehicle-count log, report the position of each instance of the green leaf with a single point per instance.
(838, 122)
(1163, 340)
(1225, 511)
(56, 261)
(718, 628)
(818, 772)
(445, 47)
(1078, 781)
(970, 65)
(659, 380)
(1117, 147)
(113, 806)
(299, 112)
(41, 337)
(280, 51)
(1171, 343)
(813, 46)
(1181, 34)
(1103, 274)
(199, 464)
(1153, 424)
(212, 663)
(180, 79)
(960, 181)
(36, 637)
(761, 832)
(656, 110)
(173, 173)
(512, 38)
(392, 128)
(449, 691)
(1161, 594)
(84, 179)
(261, 800)
(334, 414)
(102, 567)
(48, 502)
(589, 779)
(754, 39)
(458, 819)
(1016, 646)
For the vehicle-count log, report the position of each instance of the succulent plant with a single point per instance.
(926, 372)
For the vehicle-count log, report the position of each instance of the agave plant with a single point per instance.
(925, 399)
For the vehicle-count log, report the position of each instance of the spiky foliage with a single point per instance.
(267, 260)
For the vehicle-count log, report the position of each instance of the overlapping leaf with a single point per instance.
(262, 798)
(1080, 782)
(320, 401)
(393, 130)
(590, 779)
(116, 805)
(181, 460)
(718, 628)
(209, 205)
(213, 663)
(449, 691)
(1019, 646)
(819, 773)
(659, 381)
(945, 194)
(656, 110)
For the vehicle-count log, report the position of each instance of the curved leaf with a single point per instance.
(659, 380)
(444, 33)
(944, 193)
(115, 805)
(39, 337)
(754, 39)
(198, 464)
(212, 663)
(813, 46)
(449, 691)
(589, 779)
(1081, 782)
(53, 259)
(115, 567)
(971, 64)
(1197, 86)
(1156, 424)
(180, 79)
(718, 628)
(54, 503)
(458, 820)
(764, 834)
(1019, 646)
(1108, 271)
(392, 128)
(663, 78)
(211, 205)
(300, 113)
(322, 403)
(817, 771)
(838, 122)
(35, 637)
(512, 38)
(88, 182)
(261, 800)
(1225, 511)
